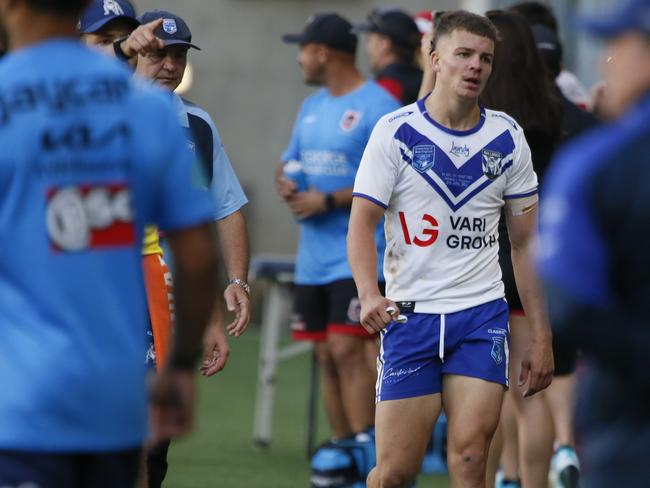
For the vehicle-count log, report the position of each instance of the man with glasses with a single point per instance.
(166, 66)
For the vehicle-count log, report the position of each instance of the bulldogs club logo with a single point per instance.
(86, 217)
(492, 163)
(423, 158)
(497, 349)
(350, 120)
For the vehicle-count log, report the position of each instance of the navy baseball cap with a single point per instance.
(631, 16)
(393, 23)
(331, 30)
(101, 12)
(547, 40)
(173, 30)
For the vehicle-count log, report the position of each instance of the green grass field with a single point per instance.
(220, 452)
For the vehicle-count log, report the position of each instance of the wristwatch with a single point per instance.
(242, 283)
(117, 48)
(330, 202)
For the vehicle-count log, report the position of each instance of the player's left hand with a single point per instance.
(171, 396)
(537, 366)
(308, 203)
(215, 350)
(237, 301)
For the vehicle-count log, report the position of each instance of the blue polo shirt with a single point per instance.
(328, 138)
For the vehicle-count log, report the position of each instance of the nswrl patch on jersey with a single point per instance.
(424, 157)
(492, 163)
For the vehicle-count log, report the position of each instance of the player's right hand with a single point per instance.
(143, 40)
(374, 316)
(286, 188)
(537, 366)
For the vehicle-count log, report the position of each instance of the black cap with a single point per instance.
(549, 47)
(173, 30)
(547, 40)
(331, 30)
(393, 23)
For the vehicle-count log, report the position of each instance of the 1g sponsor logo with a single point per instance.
(428, 233)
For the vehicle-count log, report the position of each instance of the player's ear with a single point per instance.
(435, 61)
(323, 53)
(386, 44)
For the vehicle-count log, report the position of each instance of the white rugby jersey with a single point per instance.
(443, 191)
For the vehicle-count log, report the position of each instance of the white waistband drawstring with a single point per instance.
(441, 350)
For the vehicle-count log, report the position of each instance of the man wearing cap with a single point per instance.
(112, 26)
(539, 13)
(79, 185)
(593, 257)
(392, 45)
(111, 29)
(166, 67)
(330, 132)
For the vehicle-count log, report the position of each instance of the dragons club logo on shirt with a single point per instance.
(350, 120)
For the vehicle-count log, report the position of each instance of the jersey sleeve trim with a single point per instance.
(231, 209)
(371, 199)
(521, 195)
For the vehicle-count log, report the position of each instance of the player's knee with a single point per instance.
(394, 477)
(325, 359)
(468, 461)
(348, 351)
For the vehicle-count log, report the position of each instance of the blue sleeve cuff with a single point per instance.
(371, 199)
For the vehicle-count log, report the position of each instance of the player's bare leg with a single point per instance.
(372, 351)
(534, 421)
(561, 400)
(494, 456)
(332, 396)
(510, 449)
(565, 465)
(403, 429)
(356, 380)
(472, 407)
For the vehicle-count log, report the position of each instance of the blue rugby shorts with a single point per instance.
(415, 355)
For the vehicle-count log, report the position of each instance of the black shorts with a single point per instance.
(117, 469)
(324, 309)
(508, 275)
(566, 358)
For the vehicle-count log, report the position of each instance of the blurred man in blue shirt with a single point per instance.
(90, 157)
(594, 257)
